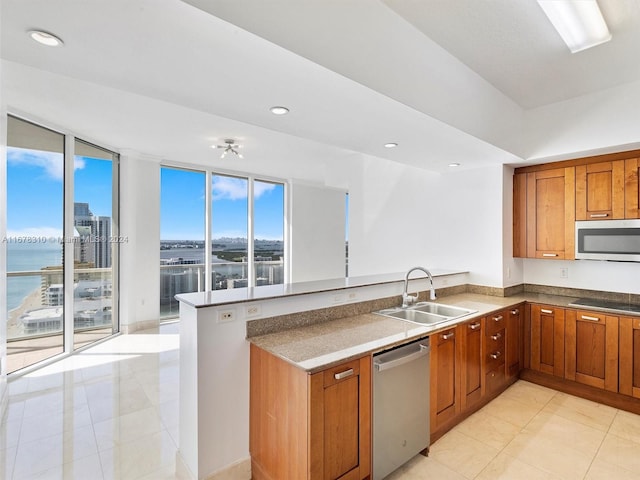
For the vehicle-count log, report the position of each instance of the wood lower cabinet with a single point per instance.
(471, 368)
(315, 427)
(445, 391)
(547, 339)
(629, 373)
(495, 351)
(591, 349)
(514, 341)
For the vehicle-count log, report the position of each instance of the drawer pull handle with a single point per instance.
(497, 336)
(474, 326)
(599, 215)
(345, 374)
(544, 310)
(498, 318)
(447, 336)
(515, 311)
(495, 356)
(549, 254)
(591, 319)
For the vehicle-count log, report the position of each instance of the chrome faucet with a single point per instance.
(409, 299)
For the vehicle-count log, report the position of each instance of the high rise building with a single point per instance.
(94, 236)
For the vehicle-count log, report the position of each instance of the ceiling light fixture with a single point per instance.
(279, 110)
(454, 164)
(230, 146)
(45, 38)
(579, 22)
(390, 145)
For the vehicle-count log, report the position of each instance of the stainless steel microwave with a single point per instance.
(617, 240)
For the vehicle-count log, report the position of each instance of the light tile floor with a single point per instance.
(111, 412)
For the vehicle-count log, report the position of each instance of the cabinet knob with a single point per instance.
(497, 318)
(495, 355)
(548, 312)
(549, 254)
(515, 311)
(474, 326)
(591, 319)
(599, 215)
(448, 335)
(497, 336)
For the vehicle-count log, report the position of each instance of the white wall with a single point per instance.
(402, 216)
(140, 254)
(317, 233)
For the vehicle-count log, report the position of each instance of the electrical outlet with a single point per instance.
(352, 296)
(564, 272)
(226, 316)
(253, 310)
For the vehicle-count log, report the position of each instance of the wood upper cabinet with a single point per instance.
(629, 374)
(315, 427)
(591, 349)
(471, 368)
(547, 339)
(544, 214)
(445, 391)
(514, 341)
(600, 190)
(631, 190)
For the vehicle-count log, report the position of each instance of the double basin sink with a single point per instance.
(426, 313)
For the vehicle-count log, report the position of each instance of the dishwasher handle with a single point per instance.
(381, 365)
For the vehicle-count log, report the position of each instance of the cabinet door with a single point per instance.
(551, 214)
(340, 436)
(631, 190)
(445, 388)
(600, 190)
(547, 339)
(591, 349)
(471, 368)
(630, 356)
(514, 341)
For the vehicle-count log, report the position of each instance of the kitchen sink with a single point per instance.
(426, 313)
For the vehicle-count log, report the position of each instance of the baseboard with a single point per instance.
(238, 471)
(613, 399)
(137, 326)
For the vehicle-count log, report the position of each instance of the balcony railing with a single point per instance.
(188, 278)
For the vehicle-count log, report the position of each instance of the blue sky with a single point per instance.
(183, 207)
(35, 198)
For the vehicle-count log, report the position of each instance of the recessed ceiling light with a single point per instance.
(279, 110)
(45, 38)
(390, 145)
(455, 164)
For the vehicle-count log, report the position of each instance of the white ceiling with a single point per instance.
(355, 73)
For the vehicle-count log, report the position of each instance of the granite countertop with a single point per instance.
(316, 347)
(265, 292)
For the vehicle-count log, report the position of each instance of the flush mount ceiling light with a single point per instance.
(454, 164)
(390, 145)
(579, 22)
(230, 146)
(279, 110)
(45, 38)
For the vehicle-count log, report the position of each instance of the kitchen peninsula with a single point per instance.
(316, 326)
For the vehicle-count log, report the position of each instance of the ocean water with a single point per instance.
(25, 257)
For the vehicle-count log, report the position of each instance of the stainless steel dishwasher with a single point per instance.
(400, 406)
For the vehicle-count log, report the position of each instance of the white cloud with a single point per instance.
(51, 162)
(231, 188)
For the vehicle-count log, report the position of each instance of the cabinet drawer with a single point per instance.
(494, 379)
(495, 351)
(495, 322)
(341, 372)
